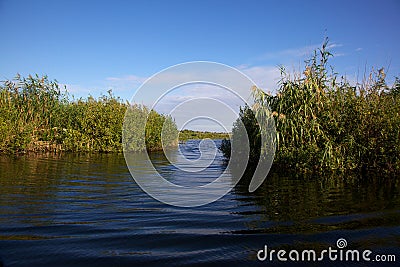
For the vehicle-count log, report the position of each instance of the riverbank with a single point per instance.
(38, 116)
(185, 135)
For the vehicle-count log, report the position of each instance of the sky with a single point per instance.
(93, 46)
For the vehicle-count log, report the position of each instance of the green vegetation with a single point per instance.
(189, 134)
(247, 127)
(326, 125)
(158, 131)
(35, 115)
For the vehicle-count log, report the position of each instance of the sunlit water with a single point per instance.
(86, 210)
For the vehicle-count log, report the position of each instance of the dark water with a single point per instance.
(85, 210)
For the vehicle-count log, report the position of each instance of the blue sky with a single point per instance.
(92, 46)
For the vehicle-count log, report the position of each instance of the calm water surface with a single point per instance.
(85, 210)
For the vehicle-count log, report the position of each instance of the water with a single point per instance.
(85, 210)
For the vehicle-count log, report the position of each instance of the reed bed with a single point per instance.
(37, 115)
(325, 124)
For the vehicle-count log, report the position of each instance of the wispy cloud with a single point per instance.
(128, 79)
(358, 49)
(289, 53)
(333, 45)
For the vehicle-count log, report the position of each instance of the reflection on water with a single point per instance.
(85, 210)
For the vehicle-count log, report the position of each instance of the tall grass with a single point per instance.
(36, 115)
(325, 124)
(30, 111)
